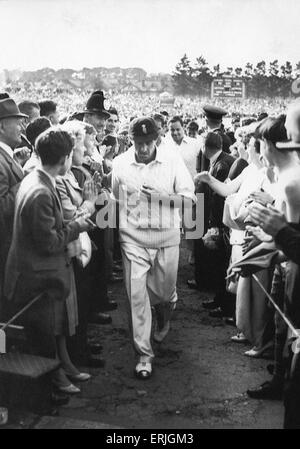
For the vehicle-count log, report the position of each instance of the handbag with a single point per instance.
(86, 249)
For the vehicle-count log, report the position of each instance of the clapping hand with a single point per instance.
(108, 153)
(21, 155)
(102, 150)
(257, 232)
(234, 275)
(149, 191)
(90, 191)
(97, 178)
(96, 167)
(268, 218)
(85, 224)
(204, 176)
(261, 197)
(250, 242)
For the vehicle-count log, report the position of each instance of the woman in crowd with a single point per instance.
(75, 202)
(285, 290)
(253, 315)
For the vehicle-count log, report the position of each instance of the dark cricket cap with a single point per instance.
(143, 128)
(213, 112)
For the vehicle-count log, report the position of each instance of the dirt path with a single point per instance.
(199, 381)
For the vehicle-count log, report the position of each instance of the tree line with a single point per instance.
(263, 79)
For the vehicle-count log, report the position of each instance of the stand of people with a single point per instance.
(101, 196)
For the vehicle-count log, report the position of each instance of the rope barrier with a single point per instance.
(290, 325)
(22, 311)
(287, 321)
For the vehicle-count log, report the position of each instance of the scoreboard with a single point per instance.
(296, 87)
(227, 87)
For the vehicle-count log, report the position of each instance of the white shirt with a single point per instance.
(188, 149)
(168, 174)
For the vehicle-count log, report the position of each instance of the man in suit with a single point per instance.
(212, 255)
(38, 262)
(11, 173)
(95, 113)
(213, 116)
(32, 110)
(48, 108)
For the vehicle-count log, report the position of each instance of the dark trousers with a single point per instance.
(98, 271)
(117, 246)
(292, 396)
(210, 271)
(78, 343)
(109, 251)
(91, 286)
(277, 292)
(292, 389)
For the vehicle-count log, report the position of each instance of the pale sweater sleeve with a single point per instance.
(183, 182)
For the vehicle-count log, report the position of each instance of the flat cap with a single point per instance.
(213, 112)
(143, 128)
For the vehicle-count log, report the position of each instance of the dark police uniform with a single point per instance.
(211, 265)
(214, 113)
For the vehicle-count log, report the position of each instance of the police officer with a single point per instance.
(214, 116)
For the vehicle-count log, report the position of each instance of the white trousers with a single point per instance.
(150, 278)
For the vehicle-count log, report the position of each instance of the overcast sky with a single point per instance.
(152, 34)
